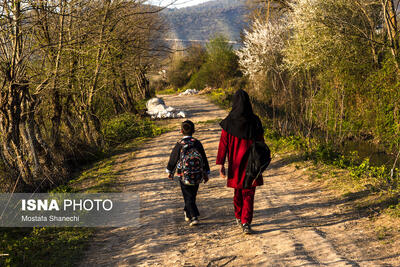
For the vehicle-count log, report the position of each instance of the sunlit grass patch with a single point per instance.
(167, 91)
(43, 246)
(221, 97)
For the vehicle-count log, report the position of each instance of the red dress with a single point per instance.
(235, 148)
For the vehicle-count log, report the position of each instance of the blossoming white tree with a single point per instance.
(262, 49)
(261, 60)
(333, 32)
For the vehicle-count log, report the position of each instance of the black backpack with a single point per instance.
(259, 157)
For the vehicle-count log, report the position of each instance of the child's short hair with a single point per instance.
(187, 127)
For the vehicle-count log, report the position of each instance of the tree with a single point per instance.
(66, 66)
(390, 12)
(184, 66)
(261, 59)
(221, 64)
(262, 48)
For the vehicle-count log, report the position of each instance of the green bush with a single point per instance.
(127, 126)
(183, 67)
(220, 66)
(200, 79)
(221, 97)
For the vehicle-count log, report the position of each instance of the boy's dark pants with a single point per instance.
(189, 195)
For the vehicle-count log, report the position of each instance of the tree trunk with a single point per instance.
(390, 19)
(142, 83)
(57, 107)
(12, 120)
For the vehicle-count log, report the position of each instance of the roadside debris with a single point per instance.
(157, 109)
(189, 92)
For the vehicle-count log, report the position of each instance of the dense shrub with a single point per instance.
(216, 66)
(221, 65)
(184, 66)
(127, 126)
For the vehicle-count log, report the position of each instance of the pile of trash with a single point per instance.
(157, 109)
(189, 92)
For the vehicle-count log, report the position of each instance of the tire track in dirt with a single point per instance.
(294, 221)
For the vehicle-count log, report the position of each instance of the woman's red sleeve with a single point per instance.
(222, 148)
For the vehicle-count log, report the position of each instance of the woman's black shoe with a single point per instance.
(246, 229)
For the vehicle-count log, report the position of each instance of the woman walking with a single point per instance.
(239, 129)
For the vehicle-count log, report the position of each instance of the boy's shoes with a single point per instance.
(238, 221)
(246, 229)
(194, 221)
(186, 217)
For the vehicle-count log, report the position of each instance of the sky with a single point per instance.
(178, 3)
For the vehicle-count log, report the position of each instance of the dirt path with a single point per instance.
(295, 223)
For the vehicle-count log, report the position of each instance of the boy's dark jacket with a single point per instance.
(176, 151)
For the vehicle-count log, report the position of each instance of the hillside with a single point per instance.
(202, 21)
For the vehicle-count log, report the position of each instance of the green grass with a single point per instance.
(370, 187)
(100, 177)
(173, 91)
(126, 127)
(167, 91)
(221, 97)
(43, 246)
(394, 210)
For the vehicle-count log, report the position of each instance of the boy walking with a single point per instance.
(189, 160)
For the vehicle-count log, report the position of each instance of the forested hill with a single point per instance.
(202, 21)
